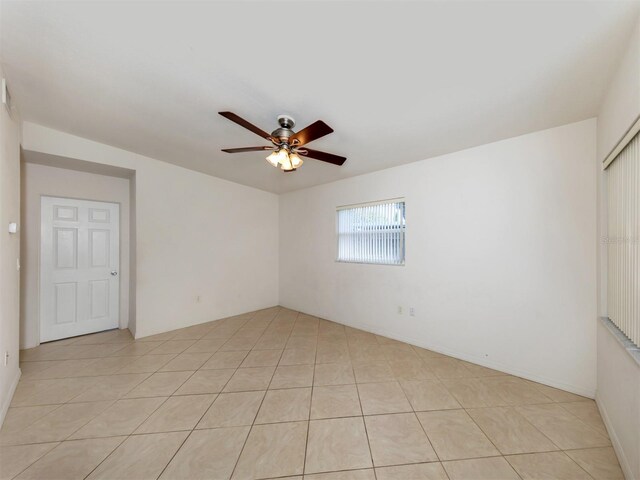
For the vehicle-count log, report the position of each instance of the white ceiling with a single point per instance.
(398, 82)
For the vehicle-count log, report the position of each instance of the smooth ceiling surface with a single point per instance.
(398, 82)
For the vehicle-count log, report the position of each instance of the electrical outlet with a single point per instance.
(412, 312)
(399, 310)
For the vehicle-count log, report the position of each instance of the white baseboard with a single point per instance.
(577, 389)
(615, 441)
(7, 401)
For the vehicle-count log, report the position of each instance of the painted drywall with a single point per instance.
(9, 254)
(618, 376)
(39, 180)
(206, 248)
(500, 264)
(618, 397)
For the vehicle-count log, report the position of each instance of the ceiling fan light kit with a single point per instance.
(287, 145)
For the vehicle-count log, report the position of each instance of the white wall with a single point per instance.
(618, 394)
(9, 254)
(501, 256)
(196, 236)
(39, 180)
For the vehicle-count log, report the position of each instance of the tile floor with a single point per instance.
(276, 393)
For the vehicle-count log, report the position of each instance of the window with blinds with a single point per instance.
(372, 233)
(623, 239)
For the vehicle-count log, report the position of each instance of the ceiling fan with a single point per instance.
(288, 146)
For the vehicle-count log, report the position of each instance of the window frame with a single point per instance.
(369, 204)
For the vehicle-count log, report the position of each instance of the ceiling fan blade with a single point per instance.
(323, 156)
(243, 123)
(247, 149)
(309, 134)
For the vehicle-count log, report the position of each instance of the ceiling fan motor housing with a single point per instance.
(285, 131)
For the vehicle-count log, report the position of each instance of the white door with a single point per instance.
(79, 261)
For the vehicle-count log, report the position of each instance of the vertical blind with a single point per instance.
(623, 238)
(372, 233)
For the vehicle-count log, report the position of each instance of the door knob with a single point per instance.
(114, 273)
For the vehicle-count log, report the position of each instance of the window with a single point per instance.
(372, 233)
(623, 240)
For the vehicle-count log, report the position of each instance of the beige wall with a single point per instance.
(618, 392)
(206, 248)
(39, 180)
(9, 253)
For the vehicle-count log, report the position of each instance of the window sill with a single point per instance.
(627, 344)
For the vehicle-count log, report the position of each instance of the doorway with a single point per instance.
(79, 267)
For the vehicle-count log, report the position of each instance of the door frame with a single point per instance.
(39, 260)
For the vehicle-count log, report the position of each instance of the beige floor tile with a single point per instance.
(121, 418)
(64, 369)
(147, 363)
(373, 372)
(480, 371)
(337, 444)
(587, 412)
(275, 341)
(558, 395)
(472, 393)
(509, 431)
(232, 410)
(59, 424)
(72, 460)
(398, 439)
(160, 337)
(288, 405)
(14, 459)
(304, 341)
(140, 457)
(600, 463)
(136, 349)
(346, 475)
(246, 379)
(177, 413)
(107, 366)
(205, 346)
(334, 374)
(333, 401)
(221, 360)
(447, 367)
(332, 354)
(428, 395)
(563, 428)
(207, 454)
(19, 418)
(172, 346)
(111, 387)
(238, 343)
(298, 356)
(547, 466)
(273, 450)
(186, 361)
(495, 468)
(419, 471)
(515, 391)
(206, 381)
(414, 369)
(290, 376)
(262, 358)
(454, 435)
(160, 384)
(49, 392)
(385, 397)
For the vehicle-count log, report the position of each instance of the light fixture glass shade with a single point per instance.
(296, 161)
(278, 157)
(286, 165)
